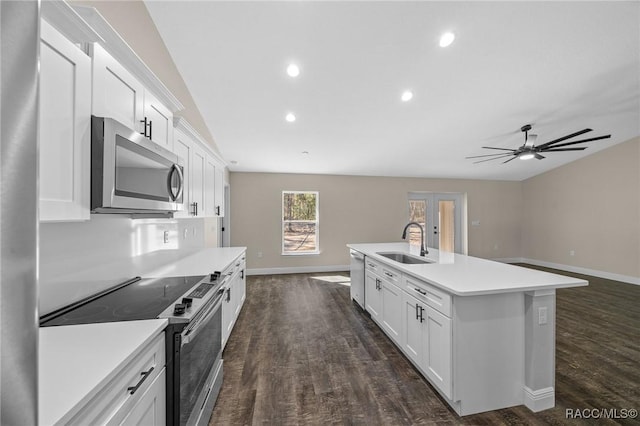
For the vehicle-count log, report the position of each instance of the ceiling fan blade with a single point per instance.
(510, 159)
(563, 149)
(503, 149)
(494, 158)
(538, 156)
(487, 155)
(580, 141)
(564, 138)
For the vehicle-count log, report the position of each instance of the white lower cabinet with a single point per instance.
(436, 341)
(135, 390)
(392, 311)
(428, 341)
(234, 296)
(151, 408)
(373, 298)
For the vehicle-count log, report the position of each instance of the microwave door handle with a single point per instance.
(176, 169)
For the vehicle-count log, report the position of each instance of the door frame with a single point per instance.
(431, 215)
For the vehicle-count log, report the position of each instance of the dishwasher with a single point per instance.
(357, 277)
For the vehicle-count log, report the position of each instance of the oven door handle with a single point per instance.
(190, 333)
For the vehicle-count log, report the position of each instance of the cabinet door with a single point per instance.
(65, 128)
(392, 311)
(151, 408)
(412, 328)
(437, 349)
(219, 190)
(160, 120)
(116, 93)
(209, 187)
(372, 298)
(198, 182)
(182, 147)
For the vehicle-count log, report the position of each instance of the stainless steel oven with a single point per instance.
(130, 173)
(201, 371)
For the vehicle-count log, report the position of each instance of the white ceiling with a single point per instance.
(560, 66)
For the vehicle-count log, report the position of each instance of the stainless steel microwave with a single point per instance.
(132, 174)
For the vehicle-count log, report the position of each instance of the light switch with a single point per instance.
(166, 237)
(475, 223)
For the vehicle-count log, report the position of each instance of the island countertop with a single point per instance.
(463, 275)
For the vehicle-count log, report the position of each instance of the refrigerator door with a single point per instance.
(19, 44)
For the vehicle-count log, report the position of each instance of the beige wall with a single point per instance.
(591, 206)
(356, 209)
(134, 24)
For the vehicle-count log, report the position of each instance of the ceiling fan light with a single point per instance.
(526, 156)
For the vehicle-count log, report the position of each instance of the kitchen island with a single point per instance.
(481, 332)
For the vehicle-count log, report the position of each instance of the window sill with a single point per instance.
(308, 253)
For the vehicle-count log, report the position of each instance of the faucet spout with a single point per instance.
(423, 250)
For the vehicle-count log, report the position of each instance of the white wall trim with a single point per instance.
(297, 270)
(577, 269)
(184, 126)
(539, 399)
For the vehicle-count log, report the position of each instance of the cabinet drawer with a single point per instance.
(391, 275)
(372, 265)
(123, 392)
(426, 293)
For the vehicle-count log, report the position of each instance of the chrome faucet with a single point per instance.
(423, 251)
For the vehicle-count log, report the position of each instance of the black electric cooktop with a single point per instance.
(141, 299)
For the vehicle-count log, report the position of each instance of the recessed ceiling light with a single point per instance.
(290, 118)
(406, 96)
(446, 39)
(293, 70)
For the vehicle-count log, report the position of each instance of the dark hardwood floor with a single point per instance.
(303, 353)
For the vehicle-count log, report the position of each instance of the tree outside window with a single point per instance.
(300, 222)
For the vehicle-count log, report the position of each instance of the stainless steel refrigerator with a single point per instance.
(19, 41)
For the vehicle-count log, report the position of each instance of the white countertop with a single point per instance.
(202, 262)
(75, 361)
(466, 275)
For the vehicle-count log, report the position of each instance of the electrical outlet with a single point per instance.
(542, 315)
(166, 237)
(259, 254)
(572, 252)
(185, 233)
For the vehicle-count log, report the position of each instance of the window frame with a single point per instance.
(316, 222)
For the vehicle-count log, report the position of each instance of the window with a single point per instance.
(300, 222)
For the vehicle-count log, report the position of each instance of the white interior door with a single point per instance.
(440, 215)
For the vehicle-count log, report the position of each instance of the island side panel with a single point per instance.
(540, 338)
(488, 352)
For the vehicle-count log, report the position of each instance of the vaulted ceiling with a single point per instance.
(559, 66)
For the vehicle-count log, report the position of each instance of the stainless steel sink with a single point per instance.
(400, 257)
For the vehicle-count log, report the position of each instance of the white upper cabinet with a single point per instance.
(210, 188)
(159, 121)
(65, 128)
(116, 92)
(198, 182)
(219, 190)
(183, 147)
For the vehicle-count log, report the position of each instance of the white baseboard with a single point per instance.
(297, 270)
(577, 269)
(539, 399)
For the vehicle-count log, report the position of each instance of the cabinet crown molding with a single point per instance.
(181, 124)
(122, 52)
(67, 21)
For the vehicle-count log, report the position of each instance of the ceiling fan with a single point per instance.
(530, 150)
